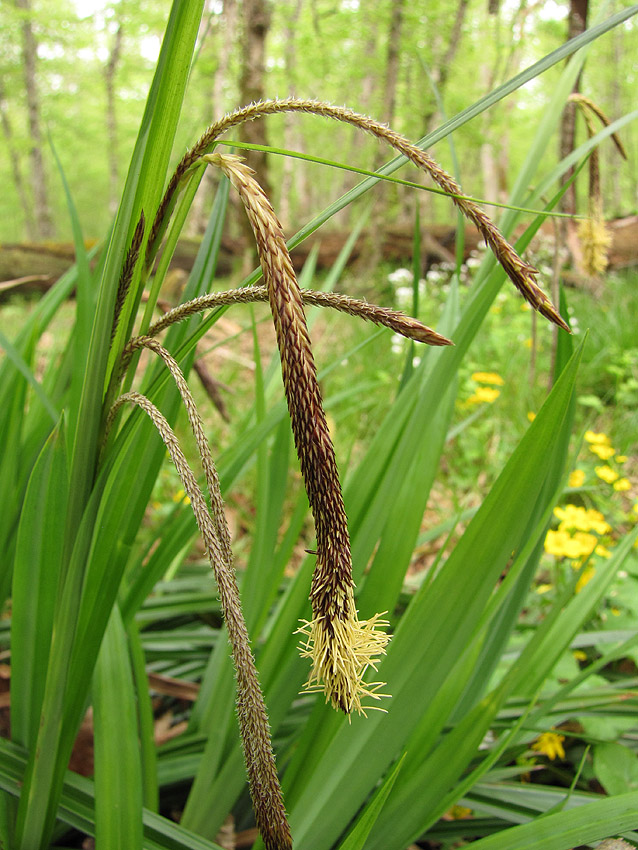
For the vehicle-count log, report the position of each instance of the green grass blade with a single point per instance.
(77, 806)
(35, 585)
(22, 367)
(586, 824)
(145, 719)
(118, 770)
(377, 175)
(142, 191)
(85, 293)
(359, 833)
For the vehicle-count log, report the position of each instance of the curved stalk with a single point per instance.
(520, 273)
(251, 710)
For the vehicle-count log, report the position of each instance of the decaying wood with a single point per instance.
(28, 267)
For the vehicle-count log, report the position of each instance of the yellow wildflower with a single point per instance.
(621, 458)
(615, 611)
(527, 342)
(488, 378)
(483, 394)
(602, 451)
(458, 813)
(596, 522)
(531, 416)
(180, 496)
(586, 542)
(622, 485)
(579, 655)
(576, 478)
(607, 474)
(562, 545)
(585, 577)
(576, 517)
(597, 438)
(603, 551)
(544, 588)
(550, 744)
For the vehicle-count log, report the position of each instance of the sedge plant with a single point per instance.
(79, 579)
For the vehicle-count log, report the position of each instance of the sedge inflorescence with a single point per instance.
(341, 651)
(340, 646)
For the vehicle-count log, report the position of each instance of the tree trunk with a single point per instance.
(256, 15)
(291, 136)
(14, 156)
(441, 69)
(223, 26)
(390, 80)
(44, 222)
(576, 24)
(111, 120)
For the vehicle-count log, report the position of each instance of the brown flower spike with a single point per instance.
(340, 646)
(522, 275)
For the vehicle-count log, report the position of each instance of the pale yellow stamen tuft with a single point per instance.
(341, 651)
(595, 239)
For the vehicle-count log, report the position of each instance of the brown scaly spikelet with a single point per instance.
(340, 645)
(393, 319)
(587, 104)
(251, 710)
(127, 271)
(520, 273)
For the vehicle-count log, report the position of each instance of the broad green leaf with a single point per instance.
(616, 768)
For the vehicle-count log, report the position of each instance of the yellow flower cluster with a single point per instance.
(550, 744)
(581, 519)
(576, 546)
(600, 445)
(576, 478)
(492, 378)
(485, 394)
(573, 539)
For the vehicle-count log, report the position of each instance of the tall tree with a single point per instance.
(111, 119)
(256, 17)
(291, 136)
(221, 29)
(576, 24)
(390, 80)
(16, 169)
(44, 223)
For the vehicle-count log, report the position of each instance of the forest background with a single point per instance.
(75, 74)
(513, 679)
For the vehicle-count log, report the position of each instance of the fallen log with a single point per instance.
(35, 267)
